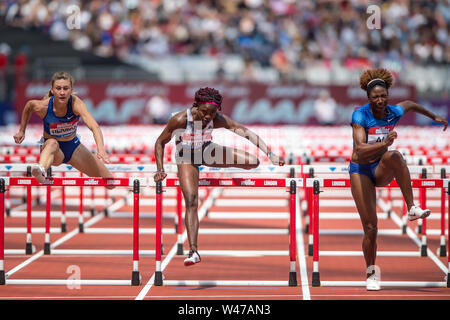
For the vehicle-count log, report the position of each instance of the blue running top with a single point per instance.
(377, 129)
(60, 126)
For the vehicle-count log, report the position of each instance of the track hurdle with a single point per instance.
(136, 183)
(316, 184)
(290, 183)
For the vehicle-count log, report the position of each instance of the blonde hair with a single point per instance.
(58, 76)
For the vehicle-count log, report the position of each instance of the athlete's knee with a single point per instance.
(396, 157)
(51, 145)
(191, 201)
(371, 229)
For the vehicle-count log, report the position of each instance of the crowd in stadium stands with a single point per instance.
(285, 34)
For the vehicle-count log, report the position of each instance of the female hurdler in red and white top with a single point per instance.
(60, 112)
(192, 129)
(372, 165)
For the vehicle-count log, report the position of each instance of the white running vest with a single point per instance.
(194, 135)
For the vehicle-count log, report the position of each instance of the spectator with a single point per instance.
(325, 109)
(285, 34)
(158, 108)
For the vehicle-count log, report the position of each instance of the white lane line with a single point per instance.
(301, 251)
(201, 213)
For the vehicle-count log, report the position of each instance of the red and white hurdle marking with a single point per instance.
(136, 183)
(317, 183)
(290, 183)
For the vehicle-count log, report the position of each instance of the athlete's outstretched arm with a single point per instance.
(166, 135)
(223, 121)
(30, 107)
(79, 108)
(412, 106)
(367, 151)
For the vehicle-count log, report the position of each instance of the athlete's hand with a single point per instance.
(19, 136)
(442, 120)
(276, 160)
(159, 176)
(101, 154)
(390, 138)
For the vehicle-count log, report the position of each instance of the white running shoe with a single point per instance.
(38, 172)
(192, 258)
(373, 283)
(417, 213)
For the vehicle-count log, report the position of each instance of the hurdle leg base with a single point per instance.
(92, 212)
(135, 278)
(315, 279)
(63, 227)
(442, 251)
(310, 249)
(306, 228)
(8, 212)
(292, 279)
(81, 228)
(162, 249)
(388, 214)
(106, 212)
(419, 229)
(2, 277)
(423, 250)
(404, 229)
(206, 213)
(158, 278)
(448, 280)
(28, 248)
(46, 248)
(180, 249)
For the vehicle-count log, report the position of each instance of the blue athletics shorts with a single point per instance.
(68, 147)
(365, 169)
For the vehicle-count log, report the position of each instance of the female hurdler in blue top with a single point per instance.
(372, 165)
(60, 111)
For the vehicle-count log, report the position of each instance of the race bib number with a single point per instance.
(63, 129)
(378, 134)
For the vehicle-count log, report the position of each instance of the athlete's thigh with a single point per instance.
(84, 161)
(364, 194)
(188, 177)
(58, 155)
(216, 155)
(383, 173)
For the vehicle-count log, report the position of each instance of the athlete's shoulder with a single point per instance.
(360, 115)
(178, 119)
(397, 109)
(38, 105)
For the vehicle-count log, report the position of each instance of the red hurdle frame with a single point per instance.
(61, 182)
(415, 183)
(230, 182)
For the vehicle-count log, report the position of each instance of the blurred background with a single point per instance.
(277, 63)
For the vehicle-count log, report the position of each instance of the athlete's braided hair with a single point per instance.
(375, 77)
(208, 95)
